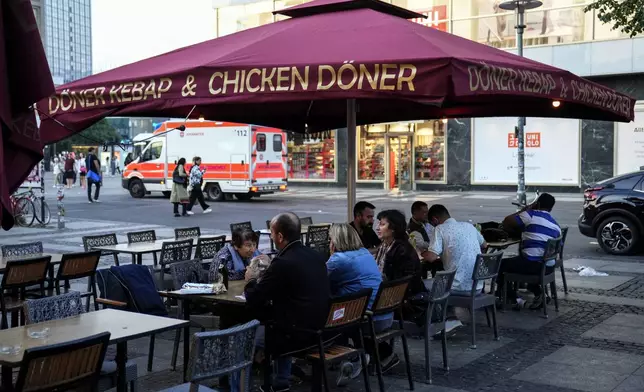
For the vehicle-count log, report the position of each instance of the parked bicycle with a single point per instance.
(28, 207)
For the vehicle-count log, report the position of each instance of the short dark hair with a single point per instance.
(91, 149)
(289, 225)
(181, 161)
(195, 159)
(361, 206)
(546, 202)
(417, 205)
(242, 235)
(438, 211)
(397, 223)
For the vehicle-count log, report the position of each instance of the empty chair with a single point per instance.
(317, 237)
(49, 368)
(92, 241)
(22, 250)
(564, 234)
(486, 268)
(70, 305)
(77, 266)
(17, 277)
(172, 252)
(207, 361)
(142, 236)
(306, 221)
(241, 225)
(186, 232)
(207, 247)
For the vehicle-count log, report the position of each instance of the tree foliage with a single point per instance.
(624, 15)
(100, 133)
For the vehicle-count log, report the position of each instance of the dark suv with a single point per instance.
(614, 213)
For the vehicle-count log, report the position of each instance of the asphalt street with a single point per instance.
(323, 205)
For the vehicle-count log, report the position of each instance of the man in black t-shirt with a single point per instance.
(363, 213)
(94, 165)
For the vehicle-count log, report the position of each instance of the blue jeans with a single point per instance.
(283, 364)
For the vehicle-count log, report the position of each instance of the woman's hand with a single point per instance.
(249, 274)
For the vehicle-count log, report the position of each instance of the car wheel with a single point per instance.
(617, 235)
(137, 189)
(243, 196)
(214, 193)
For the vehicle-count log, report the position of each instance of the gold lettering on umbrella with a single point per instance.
(242, 84)
(137, 91)
(406, 79)
(281, 78)
(150, 91)
(354, 77)
(252, 89)
(78, 99)
(267, 80)
(234, 82)
(214, 91)
(372, 80)
(321, 69)
(125, 92)
(54, 104)
(387, 76)
(304, 82)
(188, 89)
(114, 94)
(65, 95)
(162, 88)
(89, 96)
(99, 95)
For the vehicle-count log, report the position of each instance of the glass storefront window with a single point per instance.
(437, 12)
(429, 151)
(234, 18)
(371, 156)
(544, 27)
(313, 158)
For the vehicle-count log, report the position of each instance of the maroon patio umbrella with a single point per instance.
(299, 74)
(24, 79)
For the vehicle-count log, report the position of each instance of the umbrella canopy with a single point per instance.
(297, 75)
(24, 79)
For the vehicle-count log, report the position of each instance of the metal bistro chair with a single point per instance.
(317, 237)
(77, 266)
(241, 225)
(219, 353)
(551, 253)
(69, 305)
(172, 252)
(486, 268)
(18, 276)
(22, 250)
(64, 366)
(143, 236)
(91, 241)
(564, 234)
(389, 299)
(207, 248)
(435, 318)
(306, 221)
(187, 232)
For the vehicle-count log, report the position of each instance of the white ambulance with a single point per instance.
(240, 160)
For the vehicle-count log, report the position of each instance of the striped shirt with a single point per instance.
(538, 227)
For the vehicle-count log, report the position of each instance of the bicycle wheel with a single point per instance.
(23, 212)
(38, 209)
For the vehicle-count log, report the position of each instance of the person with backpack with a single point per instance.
(93, 165)
(194, 187)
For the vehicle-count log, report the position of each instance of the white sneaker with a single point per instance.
(450, 325)
(96, 201)
(190, 213)
(208, 211)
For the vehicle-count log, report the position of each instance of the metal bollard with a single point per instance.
(61, 208)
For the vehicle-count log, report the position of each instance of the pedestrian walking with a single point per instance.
(69, 171)
(194, 186)
(82, 170)
(179, 193)
(58, 173)
(93, 165)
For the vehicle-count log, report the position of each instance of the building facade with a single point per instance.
(66, 31)
(480, 153)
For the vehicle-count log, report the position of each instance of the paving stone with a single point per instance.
(639, 372)
(597, 282)
(631, 384)
(626, 320)
(616, 332)
(567, 376)
(606, 266)
(588, 358)
(512, 319)
(611, 300)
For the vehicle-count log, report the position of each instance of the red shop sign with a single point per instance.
(434, 15)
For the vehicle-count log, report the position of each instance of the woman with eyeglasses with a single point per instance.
(237, 254)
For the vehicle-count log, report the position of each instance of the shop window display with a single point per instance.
(429, 151)
(371, 161)
(312, 157)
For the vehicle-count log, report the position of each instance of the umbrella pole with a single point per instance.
(351, 157)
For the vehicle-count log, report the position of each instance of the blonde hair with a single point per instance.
(344, 237)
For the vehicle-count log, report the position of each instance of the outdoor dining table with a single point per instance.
(123, 326)
(502, 245)
(230, 297)
(138, 249)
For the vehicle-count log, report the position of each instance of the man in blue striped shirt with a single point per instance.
(537, 226)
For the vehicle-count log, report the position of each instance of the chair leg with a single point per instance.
(381, 382)
(323, 366)
(553, 288)
(428, 364)
(494, 324)
(504, 295)
(487, 317)
(94, 292)
(545, 304)
(563, 279)
(151, 352)
(175, 350)
(407, 362)
(444, 344)
(58, 287)
(116, 259)
(473, 343)
(133, 259)
(363, 360)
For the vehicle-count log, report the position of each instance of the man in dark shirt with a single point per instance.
(363, 213)
(93, 164)
(419, 223)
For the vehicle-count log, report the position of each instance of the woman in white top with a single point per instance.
(82, 170)
(58, 173)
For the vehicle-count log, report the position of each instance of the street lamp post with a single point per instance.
(520, 6)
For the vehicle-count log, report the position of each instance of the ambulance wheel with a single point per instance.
(243, 196)
(137, 189)
(214, 193)
(167, 194)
